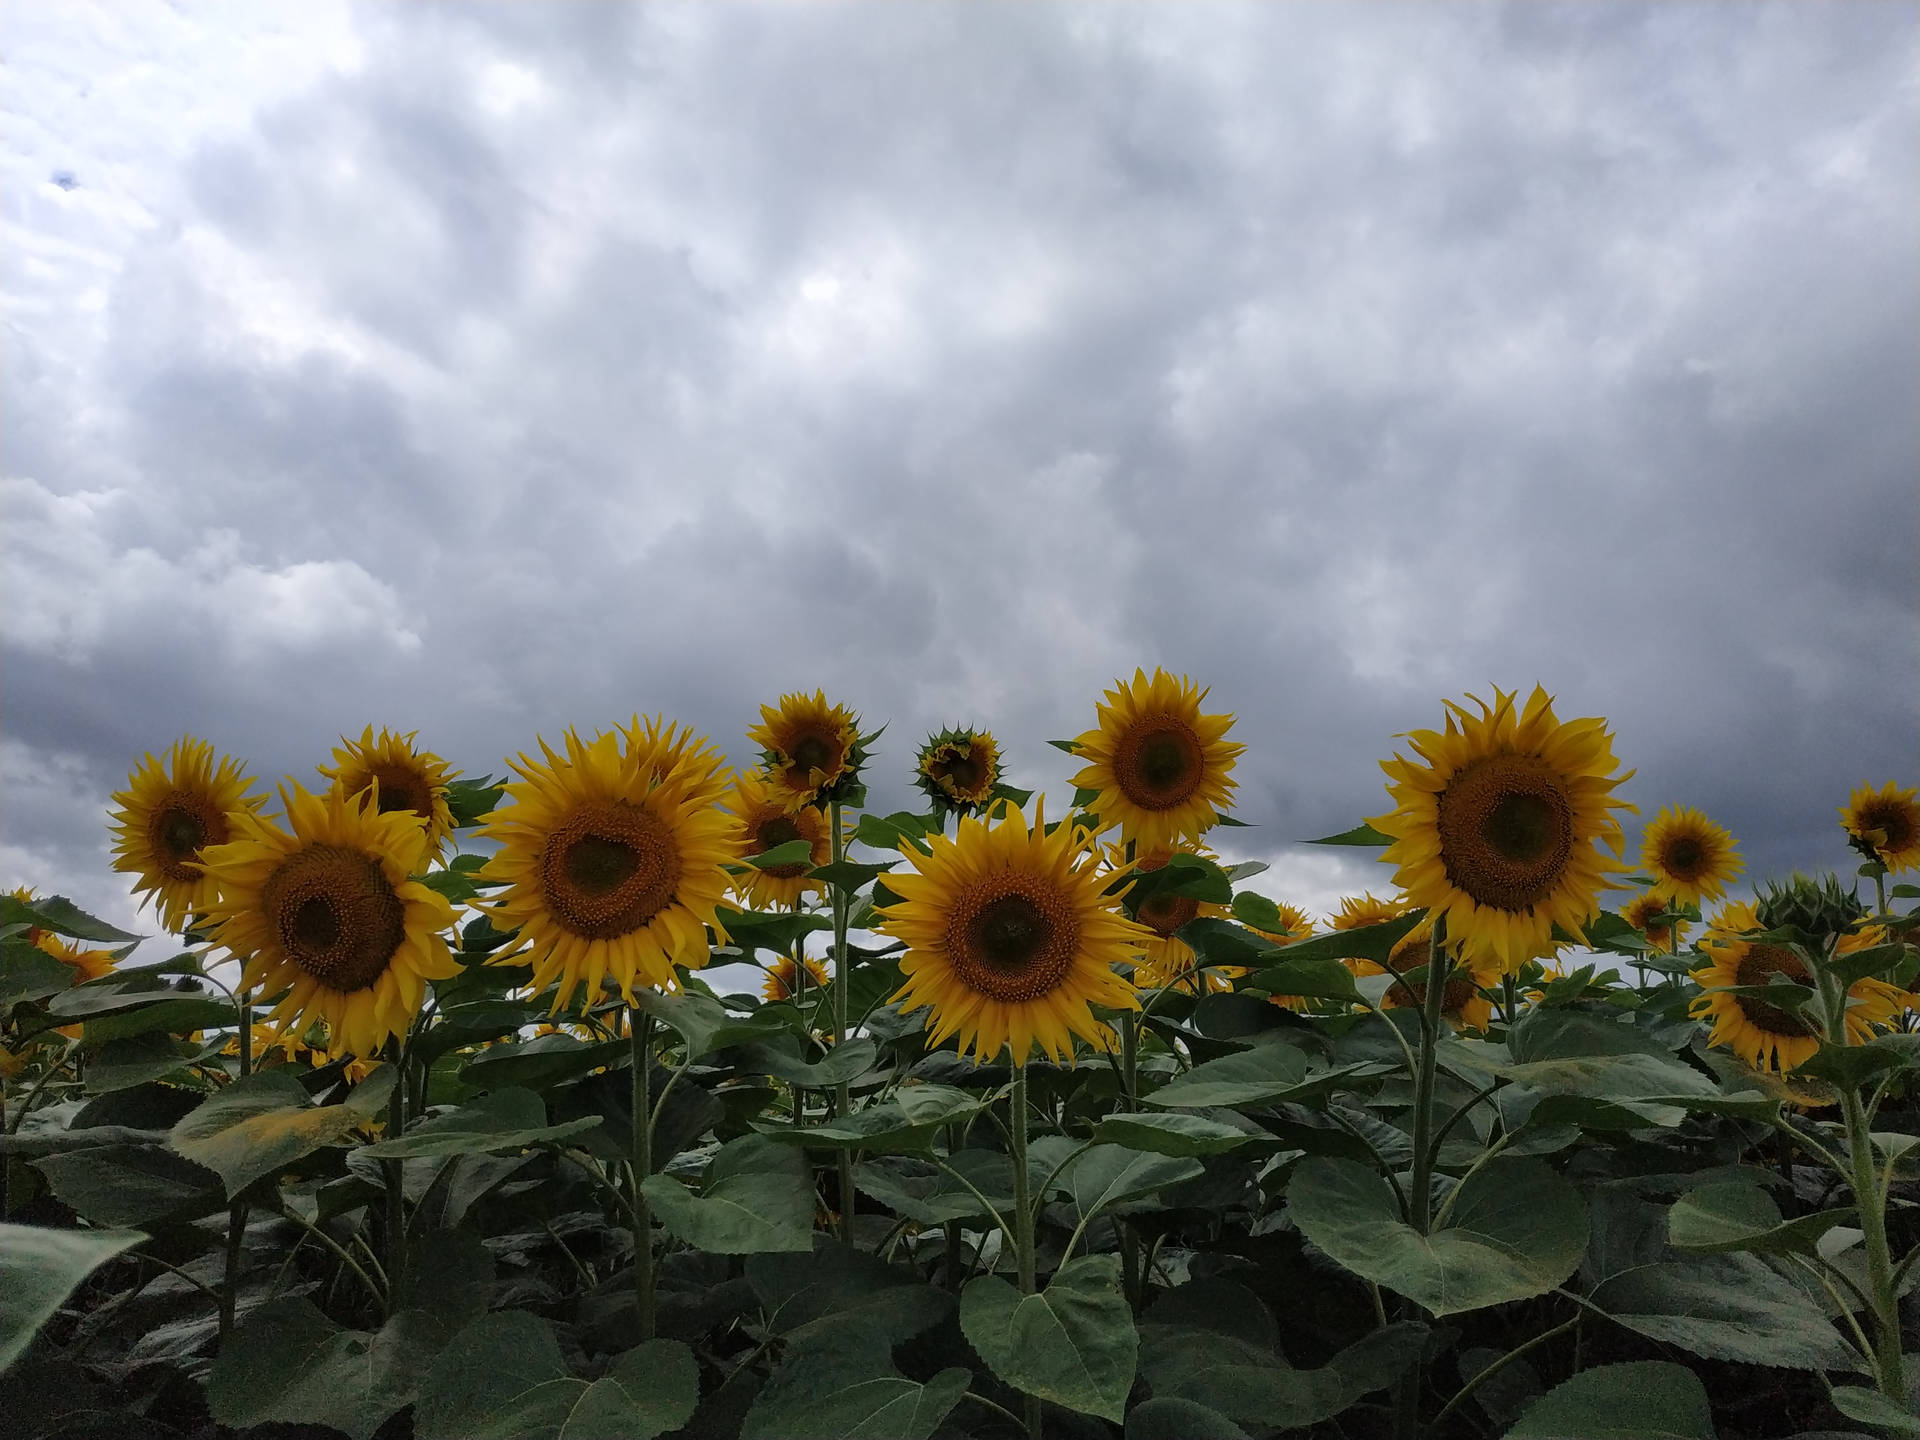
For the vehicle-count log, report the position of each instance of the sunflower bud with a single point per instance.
(958, 771)
(1818, 909)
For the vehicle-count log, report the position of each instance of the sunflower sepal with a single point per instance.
(1361, 834)
(849, 877)
(471, 801)
(1818, 909)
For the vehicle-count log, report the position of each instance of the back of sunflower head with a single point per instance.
(1818, 909)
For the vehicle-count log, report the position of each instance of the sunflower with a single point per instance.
(812, 750)
(87, 964)
(762, 822)
(783, 973)
(1639, 913)
(1884, 823)
(412, 780)
(1167, 959)
(1357, 912)
(1463, 1004)
(1496, 830)
(1764, 1035)
(1162, 769)
(1691, 858)
(1295, 926)
(958, 769)
(614, 858)
(327, 915)
(169, 814)
(1010, 937)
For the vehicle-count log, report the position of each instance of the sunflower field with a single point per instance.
(632, 1096)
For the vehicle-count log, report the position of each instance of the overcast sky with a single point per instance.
(488, 369)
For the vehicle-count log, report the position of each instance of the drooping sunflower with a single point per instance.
(1765, 1035)
(762, 822)
(1463, 1004)
(1690, 857)
(1496, 831)
(957, 770)
(812, 751)
(783, 974)
(1010, 937)
(169, 814)
(412, 780)
(1639, 913)
(1885, 824)
(613, 856)
(325, 912)
(1162, 769)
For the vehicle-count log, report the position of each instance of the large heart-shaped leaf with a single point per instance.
(758, 1196)
(1738, 1215)
(1263, 1075)
(1726, 1307)
(510, 1119)
(842, 1385)
(1073, 1343)
(1642, 1400)
(1515, 1229)
(707, 1025)
(1109, 1175)
(40, 1268)
(922, 1192)
(1251, 1385)
(132, 1185)
(1173, 1134)
(258, 1126)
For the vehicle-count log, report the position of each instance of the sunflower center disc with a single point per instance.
(1506, 831)
(608, 868)
(336, 915)
(960, 773)
(401, 789)
(1684, 858)
(1158, 763)
(1163, 913)
(1893, 821)
(1011, 944)
(182, 825)
(771, 834)
(1756, 967)
(812, 751)
(1414, 955)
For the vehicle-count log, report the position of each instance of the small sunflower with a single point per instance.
(812, 751)
(1884, 824)
(957, 770)
(1357, 912)
(1167, 959)
(1639, 913)
(1463, 1004)
(1010, 937)
(1162, 769)
(328, 915)
(412, 780)
(783, 973)
(86, 964)
(1496, 831)
(614, 858)
(1689, 856)
(1764, 1035)
(762, 822)
(169, 813)
(1295, 926)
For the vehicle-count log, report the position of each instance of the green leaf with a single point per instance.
(1852, 1066)
(1361, 834)
(927, 1104)
(1515, 1230)
(40, 1268)
(928, 1195)
(847, 876)
(758, 1196)
(1859, 964)
(177, 1017)
(793, 852)
(471, 800)
(1219, 942)
(63, 917)
(122, 1064)
(879, 1128)
(1073, 1343)
(753, 930)
(706, 1025)
(1726, 1307)
(114, 992)
(491, 1124)
(1170, 1134)
(1738, 1215)
(503, 1378)
(257, 1127)
(846, 1061)
(1870, 1407)
(1643, 1400)
(1194, 877)
(1246, 1383)
(132, 1185)
(1163, 1418)
(541, 1063)
(1263, 1075)
(1109, 1175)
(29, 973)
(1321, 979)
(1368, 942)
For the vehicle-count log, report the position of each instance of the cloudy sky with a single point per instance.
(489, 369)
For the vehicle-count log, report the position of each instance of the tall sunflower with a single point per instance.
(328, 915)
(169, 813)
(783, 975)
(762, 822)
(412, 780)
(1765, 1035)
(1495, 831)
(1462, 1003)
(1884, 824)
(812, 751)
(1168, 960)
(614, 858)
(1162, 769)
(957, 770)
(1010, 937)
(1690, 857)
(1639, 913)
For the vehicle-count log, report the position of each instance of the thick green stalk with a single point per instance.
(1420, 1187)
(842, 1092)
(1130, 1054)
(640, 1028)
(237, 1212)
(1023, 1214)
(394, 1172)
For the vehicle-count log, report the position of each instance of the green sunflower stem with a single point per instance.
(1420, 1188)
(1023, 1214)
(842, 1092)
(237, 1212)
(1130, 1053)
(640, 1037)
(394, 1173)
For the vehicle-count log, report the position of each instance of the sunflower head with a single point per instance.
(1162, 770)
(958, 770)
(614, 858)
(405, 779)
(1818, 909)
(1496, 824)
(1884, 825)
(1356, 912)
(1462, 1002)
(762, 822)
(812, 751)
(783, 975)
(1010, 937)
(1641, 913)
(1689, 856)
(1167, 959)
(169, 814)
(324, 915)
(86, 964)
